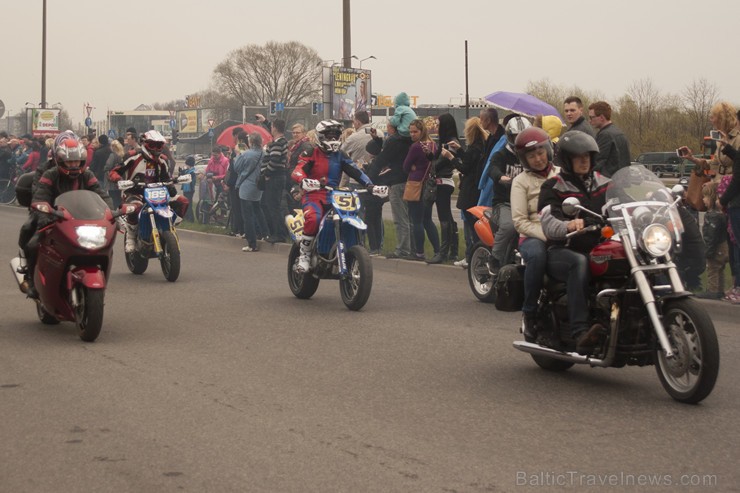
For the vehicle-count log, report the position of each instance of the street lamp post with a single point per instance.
(371, 57)
(43, 59)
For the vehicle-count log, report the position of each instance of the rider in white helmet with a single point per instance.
(322, 165)
(148, 165)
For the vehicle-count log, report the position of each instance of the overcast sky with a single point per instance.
(118, 55)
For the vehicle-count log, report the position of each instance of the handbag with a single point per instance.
(261, 181)
(693, 192)
(429, 193)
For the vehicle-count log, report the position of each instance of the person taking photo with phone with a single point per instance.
(723, 117)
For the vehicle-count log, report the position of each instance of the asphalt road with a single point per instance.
(223, 381)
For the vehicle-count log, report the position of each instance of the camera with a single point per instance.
(715, 135)
(446, 146)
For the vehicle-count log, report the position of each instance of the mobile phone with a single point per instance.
(715, 135)
(680, 152)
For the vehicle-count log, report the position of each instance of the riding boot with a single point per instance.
(132, 230)
(304, 259)
(30, 268)
(454, 242)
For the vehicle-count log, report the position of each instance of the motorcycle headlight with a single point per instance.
(657, 240)
(91, 237)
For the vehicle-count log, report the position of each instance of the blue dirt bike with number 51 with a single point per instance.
(157, 236)
(336, 251)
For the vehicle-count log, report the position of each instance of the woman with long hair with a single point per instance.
(417, 166)
(470, 165)
(444, 167)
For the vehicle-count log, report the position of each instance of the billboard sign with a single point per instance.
(351, 92)
(188, 121)
(44, 121)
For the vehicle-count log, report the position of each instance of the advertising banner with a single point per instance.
(44, 121)
(351, 92)
(188, 121)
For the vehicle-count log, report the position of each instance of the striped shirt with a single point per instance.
(276, 155)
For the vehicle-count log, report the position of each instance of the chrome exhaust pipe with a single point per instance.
(532, 348)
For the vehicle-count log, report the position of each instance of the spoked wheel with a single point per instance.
(136, 262)
(89, 312)
(690, 375)
(355, 289)
(170, 259)
(7, 191)
(304, 285)
(45, 317)
(479, 277)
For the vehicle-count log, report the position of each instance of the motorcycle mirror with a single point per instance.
(678, 191)
(570, 206)
(184, 179)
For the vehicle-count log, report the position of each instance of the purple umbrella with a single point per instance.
(524, 104)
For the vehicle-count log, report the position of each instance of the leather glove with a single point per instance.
(370, 187)
(172, 190)
(113, 176)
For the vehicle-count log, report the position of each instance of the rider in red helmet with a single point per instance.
(67, 172)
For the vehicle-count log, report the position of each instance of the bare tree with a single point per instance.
(255, 75)
(698, 99)
(643, 101)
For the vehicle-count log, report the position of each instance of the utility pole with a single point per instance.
(467, 97)
(43, 59)
(347, 35)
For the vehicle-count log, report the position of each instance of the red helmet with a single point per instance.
(532, 138)
(69, 154)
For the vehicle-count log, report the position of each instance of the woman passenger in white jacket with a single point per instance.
(535, 152)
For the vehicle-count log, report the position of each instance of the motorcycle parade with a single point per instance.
(285, 264)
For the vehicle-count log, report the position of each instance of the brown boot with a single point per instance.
(587, 340)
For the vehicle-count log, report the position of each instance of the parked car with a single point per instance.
(665, 163)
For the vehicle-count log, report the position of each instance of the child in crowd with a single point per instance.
(715, 239)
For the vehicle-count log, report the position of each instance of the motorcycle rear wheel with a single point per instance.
(479, 277)
(170, 259)
(45, 317)
(304, 285)
(136, 262)
(89, 313)
(690, 376)
(355, 290)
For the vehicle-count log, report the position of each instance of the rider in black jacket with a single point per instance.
(68, 172)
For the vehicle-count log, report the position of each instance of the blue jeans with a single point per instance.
(253, 218)
(571, 267)
(400, 213)
(421, 220)
(534, 253)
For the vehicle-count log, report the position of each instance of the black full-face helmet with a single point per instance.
(574, 143)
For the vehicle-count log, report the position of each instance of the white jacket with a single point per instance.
(525, 193)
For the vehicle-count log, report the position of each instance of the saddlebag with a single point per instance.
(509, 288)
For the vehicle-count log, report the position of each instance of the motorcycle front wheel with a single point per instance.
(479, 277)
(691, 374)
(304, 285)
(355, 289)
(89, 312)
(170, 259)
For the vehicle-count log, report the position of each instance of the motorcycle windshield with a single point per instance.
(637, 198)
(82, 204)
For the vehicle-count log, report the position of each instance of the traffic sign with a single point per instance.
(112, 134)
(210, 133)
(280, 106)
(211, 121)
(173, 124)
(88, 122)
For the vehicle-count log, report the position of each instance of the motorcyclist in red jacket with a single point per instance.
(319, 166)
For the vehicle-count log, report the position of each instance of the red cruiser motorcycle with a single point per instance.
(635, 294)
(74, 261)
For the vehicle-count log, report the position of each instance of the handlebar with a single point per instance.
(587, 229)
